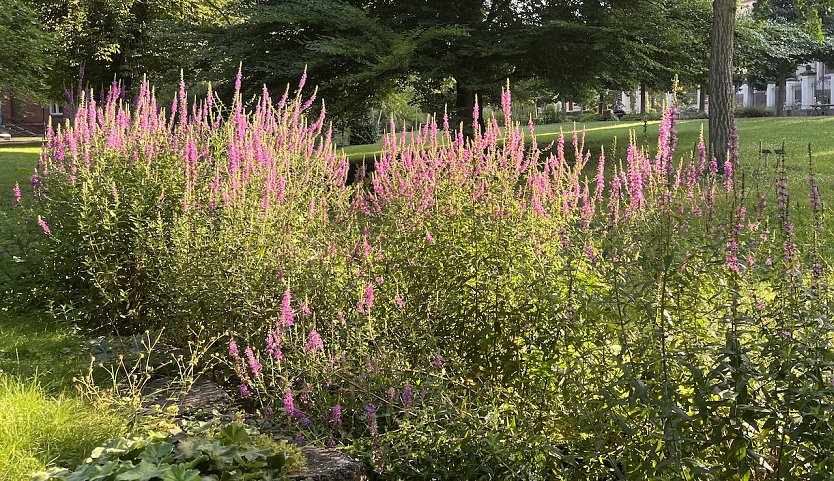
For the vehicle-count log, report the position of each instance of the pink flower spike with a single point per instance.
(314, 343)
(336, 415)
(244, 390)
(16, 192)
(254, 365)
(44, 226)
(286, 309)
(239, 78)
(289, 403)
(369, 296)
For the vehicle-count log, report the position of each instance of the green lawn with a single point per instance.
(17, 163)
(33, 347)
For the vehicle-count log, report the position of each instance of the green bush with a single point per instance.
(363, 131)
(650, 116)
(549, 115)
(584, 117)
(754, 112)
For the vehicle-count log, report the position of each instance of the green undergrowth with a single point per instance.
(197, 452)
(39, 428)
(43, 421)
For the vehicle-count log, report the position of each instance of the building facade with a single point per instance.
(22, 117)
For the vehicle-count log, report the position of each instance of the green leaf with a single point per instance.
(234, 435)
(106, 470)
(145, 471)
(181, 473)
(156, 453)
(277, 461)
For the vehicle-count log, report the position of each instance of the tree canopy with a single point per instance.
(26, 57)
(357, 51)
(779, 36)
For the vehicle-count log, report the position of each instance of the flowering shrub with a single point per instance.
(483, 307)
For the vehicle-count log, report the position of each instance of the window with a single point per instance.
(56, 108)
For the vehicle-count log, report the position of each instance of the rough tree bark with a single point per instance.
(643, 98)
(464, 107)
(781, 89)
(721, 78)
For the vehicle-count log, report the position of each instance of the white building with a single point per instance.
(810, 90)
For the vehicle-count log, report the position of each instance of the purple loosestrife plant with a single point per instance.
(314, 343)
(544, 279)
(286, 310)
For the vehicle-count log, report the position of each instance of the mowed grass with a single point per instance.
(32, 346)
(17, 164)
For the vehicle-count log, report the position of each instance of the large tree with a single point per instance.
(358, 50)
(353, 57)
(783, 34)
(721, 87)
(122, 39)
(26, 57)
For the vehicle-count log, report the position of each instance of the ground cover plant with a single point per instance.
(200, 452)
(474, 308)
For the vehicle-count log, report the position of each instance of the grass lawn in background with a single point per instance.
(17, 163)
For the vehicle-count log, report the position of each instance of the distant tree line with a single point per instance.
(360, 52)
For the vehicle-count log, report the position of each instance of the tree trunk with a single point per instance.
(781, 89)
(643, 98)
(721, 92)
(464, 107)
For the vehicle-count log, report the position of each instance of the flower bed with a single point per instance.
(481, 307)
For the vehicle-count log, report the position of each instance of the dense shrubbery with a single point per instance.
(640, 117)
(754, 112)
(583, 117)
(471, 308)
(550, 115)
